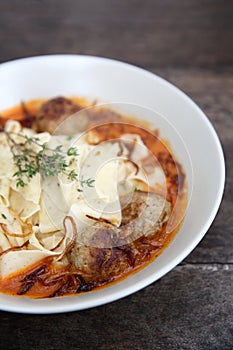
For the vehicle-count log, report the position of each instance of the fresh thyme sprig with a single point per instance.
(89, 182)
(46, 161)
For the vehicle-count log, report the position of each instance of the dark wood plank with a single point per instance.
(190, 308)
(161, 32)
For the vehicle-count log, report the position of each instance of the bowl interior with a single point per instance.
(193, 139)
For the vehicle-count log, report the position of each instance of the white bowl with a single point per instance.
(113, 81)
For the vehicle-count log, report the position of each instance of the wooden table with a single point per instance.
(190, 43)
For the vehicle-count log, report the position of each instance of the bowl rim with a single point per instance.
(72, 306)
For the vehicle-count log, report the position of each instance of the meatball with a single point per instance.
(113, 251)
(53, 112)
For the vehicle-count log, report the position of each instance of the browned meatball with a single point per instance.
(111, 250)
(55, 111)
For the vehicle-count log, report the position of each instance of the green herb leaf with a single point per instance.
(88, 182)
(69, 137)
(20, 183)
(46, 161)
(72, 175)
(58, 149)
(72, 151)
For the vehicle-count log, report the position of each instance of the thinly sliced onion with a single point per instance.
(21, 223)
(57, 245)
(47, 281)
(20, 235)
(72, 241)
(36, 243)
(98, 219)
(136, 167)
(14, 248)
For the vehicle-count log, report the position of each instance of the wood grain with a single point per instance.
(162, 32)
(190, 44)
